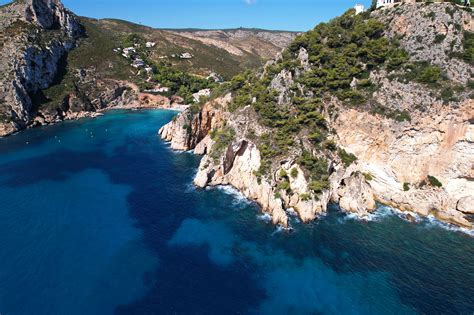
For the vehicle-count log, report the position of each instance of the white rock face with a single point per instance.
(438, 143)
(241, 176)
(176, 133)
(186, 130)
(466, 205)
(28, 66)
(281, 83)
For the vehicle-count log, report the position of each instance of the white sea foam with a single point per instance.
(291, 212)
(265, 217)
(280, 229)
(426, 222)
(190, 187)
(238, 196)
(431, 222)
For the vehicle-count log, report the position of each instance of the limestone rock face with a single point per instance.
(436, 143)
(356, 195)
(466, 205)
(241, 175)
(405, 24)
(51, 14)
(186, 130)
(29, 58)
(281, 83)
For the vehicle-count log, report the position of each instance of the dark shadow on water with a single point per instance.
(431, 269)
(185, 280)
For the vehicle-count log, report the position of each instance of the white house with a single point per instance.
(359, 8)
(186, 55)
(138, 63)
(127, 52)
(215, 77)
(149, 70)
(158, 89)
(150, 44)
(203, 93)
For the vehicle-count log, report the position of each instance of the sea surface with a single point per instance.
(99, 216)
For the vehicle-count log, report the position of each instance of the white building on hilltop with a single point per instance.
(359, 8)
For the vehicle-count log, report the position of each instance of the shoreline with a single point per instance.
(382, 211)
(100, 112)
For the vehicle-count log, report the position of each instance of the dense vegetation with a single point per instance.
(342, 53)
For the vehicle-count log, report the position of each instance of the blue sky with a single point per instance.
(296, 15)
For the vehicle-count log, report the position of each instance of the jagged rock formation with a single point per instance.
(404, 145)
(35, 36)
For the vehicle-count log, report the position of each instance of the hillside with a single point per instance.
(369, 108)
(58, 66)
(226, 52)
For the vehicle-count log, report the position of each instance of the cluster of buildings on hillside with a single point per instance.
(131, 53)
(185, 55)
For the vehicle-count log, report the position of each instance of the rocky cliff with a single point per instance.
(368, 108)
(35, 35)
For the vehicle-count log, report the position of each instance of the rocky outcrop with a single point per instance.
(240, 174)
(187, 130)
(39, 32)
(466, 205)
(438, 143)
(433, 32)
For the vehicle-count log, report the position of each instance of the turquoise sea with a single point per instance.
(99, 216)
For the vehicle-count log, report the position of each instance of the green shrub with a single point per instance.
(429, 74)
(223, 138)
(330, 145)
(401, 116)
(434, 181)
(294, 172)
(439, 38)
(284, 185)
(406, 186)
(431, 15)
(368, 177)
(305, 197)
(468, 43)
(318, 186)
(396, 59)
(317, 170)
(470, 84)
(346, 158)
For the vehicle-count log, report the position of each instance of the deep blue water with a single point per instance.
(100, 217)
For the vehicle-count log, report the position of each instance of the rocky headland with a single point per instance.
(370, 108)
